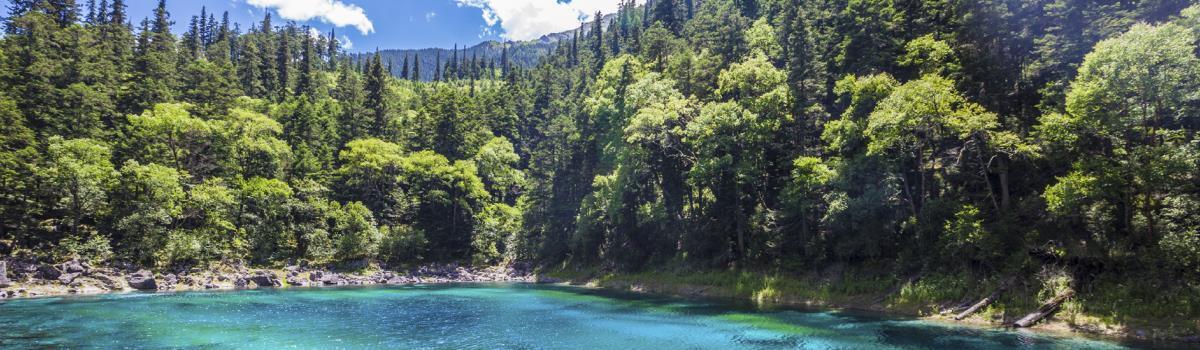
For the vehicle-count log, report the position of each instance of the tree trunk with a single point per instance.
(1046, 309)
(1005, 198)
(985, 302)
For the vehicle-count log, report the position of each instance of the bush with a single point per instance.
(402, 243)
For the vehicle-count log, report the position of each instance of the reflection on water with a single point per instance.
(492, 316)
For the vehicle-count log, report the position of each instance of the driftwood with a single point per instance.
(1046, 309)
(985, 302)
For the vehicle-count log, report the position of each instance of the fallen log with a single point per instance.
(985, 302)
(1046, 309)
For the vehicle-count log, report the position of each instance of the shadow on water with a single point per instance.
(453, 316)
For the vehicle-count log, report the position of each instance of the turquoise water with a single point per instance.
(492, 316)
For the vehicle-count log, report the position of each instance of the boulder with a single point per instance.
(72, 266)
(109, 282)
(333, 279)
(142, 280)
(48, 272)
(67, 278)
(265, 279)
(168, 282)
(296, 281)
(240, 282)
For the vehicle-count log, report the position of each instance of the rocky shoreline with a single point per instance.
(24, 279)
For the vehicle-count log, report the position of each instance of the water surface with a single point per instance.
(488, 316)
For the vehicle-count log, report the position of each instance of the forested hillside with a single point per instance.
(905, 137)
(486, 55)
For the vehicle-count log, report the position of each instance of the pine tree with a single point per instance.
(596, 37)
(504, 60)
(404, 68)
(154, 79)
(249, 72)
(416, 68)
(102, 15)
(284, 61)
(191, 39)
(376, 99)
(306, 84)
(268, 68)
(573, 56)
(437, 67)
(91, 14)
(452, 70)
(118, 15)
(354, 120)
(65, 12)
(334, 49)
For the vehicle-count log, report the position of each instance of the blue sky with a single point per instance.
(398, 24)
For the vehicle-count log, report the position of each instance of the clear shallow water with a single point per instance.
(494, 316)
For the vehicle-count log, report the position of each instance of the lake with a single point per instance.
(470, 316)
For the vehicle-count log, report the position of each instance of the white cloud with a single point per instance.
(314, 33)
(346, 43)
(329, 11)
(530, 19)
(429, 16)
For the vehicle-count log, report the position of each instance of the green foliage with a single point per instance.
(495, 234)
(357, 236)
(956, 139)
(265, 216)
(930, 56)
(150, 201)
(81, 171)
(497, 162)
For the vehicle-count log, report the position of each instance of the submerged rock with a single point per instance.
(142, 280)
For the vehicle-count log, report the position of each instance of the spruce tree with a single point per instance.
(118, 15)
(404, 68)
(415, 75)
(376, 99)
(249, 72)
(596, 38)
(268, 70)
(283, 55)
(504, 60)
(306, 84)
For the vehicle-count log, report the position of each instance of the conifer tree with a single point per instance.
(283, 57)
(268, 67)
(306, 84)
(376, 98)
(404, 68)
(416, 68)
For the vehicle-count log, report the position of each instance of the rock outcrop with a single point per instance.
(4, 282)
(264, 279)
(32, 278)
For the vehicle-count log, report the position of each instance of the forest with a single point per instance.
(902, 137)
